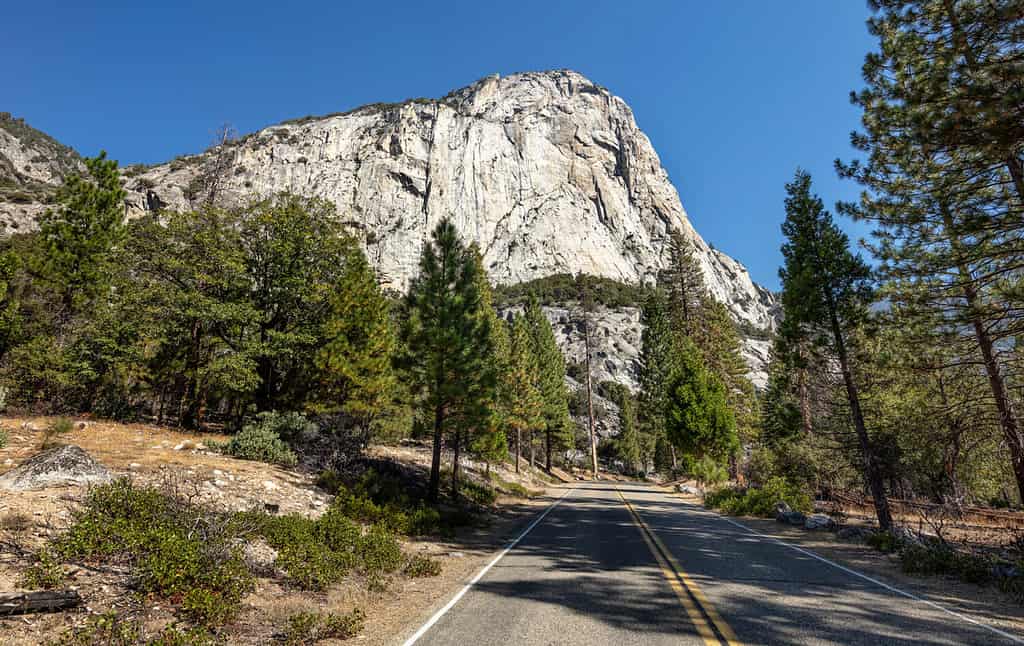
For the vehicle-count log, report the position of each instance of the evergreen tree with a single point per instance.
(355, 374)
(551, 381)
(697, 416)
(944, 181)
(449, 343)
(295, 251)
(78, 238)
(526, 401)
(825, 295)
(683, 282)
(490, 441)
(657, 355)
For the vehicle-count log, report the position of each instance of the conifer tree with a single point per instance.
(355, 374)
(490, 442)
(657, 356)
(78, 238)
(450, 357)
(551, 381)
(825, 296)
(697, 416)
(526, 402)
(683, 282)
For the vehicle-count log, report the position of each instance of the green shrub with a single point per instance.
(422, 566)
(379, 552)
(179, 550)
(108, 629)
(3, 438)
(940, 559)
(258, 442)
(882, 541)
(478, 493)
(707, 471)
(309, 628)
(758, 501)
(61, 426)
(45, 573)
(173, 636)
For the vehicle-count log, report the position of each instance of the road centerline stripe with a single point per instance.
(479, 575)
(691, 597)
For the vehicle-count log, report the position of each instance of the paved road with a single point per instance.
(625, 564)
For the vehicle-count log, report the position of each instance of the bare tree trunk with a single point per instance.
(519, 439)
(435, 461)
(872, 470)
(547, 449)
(533, 449)
(590, 398)
(455, 465)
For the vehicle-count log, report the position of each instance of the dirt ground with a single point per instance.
(155, 455)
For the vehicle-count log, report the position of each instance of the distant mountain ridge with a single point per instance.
(546, 171)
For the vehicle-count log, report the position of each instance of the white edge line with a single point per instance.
(882, 584)
(479, 575)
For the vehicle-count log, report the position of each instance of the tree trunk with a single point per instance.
(533, 449)
(19, 603)
(435, 462)
(455, 465)
(519, 439)
(872, 471)
(590, 398)
(997, 384)
(547, 450)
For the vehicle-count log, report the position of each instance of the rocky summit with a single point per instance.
(546, 171)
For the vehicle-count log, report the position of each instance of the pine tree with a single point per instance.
(697, 416)
(354, 371)
(944, 182)
(657, 356)
(825, 295)
(526, 402)
(78, 238)
(683, 282)
(551, 380)
(450, 357)
(490, 441)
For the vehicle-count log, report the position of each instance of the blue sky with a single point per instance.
(734, 94)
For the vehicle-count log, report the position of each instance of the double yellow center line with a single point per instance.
(709, 624)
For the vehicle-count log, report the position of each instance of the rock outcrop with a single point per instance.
(32, 166)
(59, 467)
(547, 171)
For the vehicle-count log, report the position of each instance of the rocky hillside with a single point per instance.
(547, 171)
(32, 166)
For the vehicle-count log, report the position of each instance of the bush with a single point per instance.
(421, 566)
(45, 573)
(108, 629)
(941, 559)
(3, 438)
(882, 541)
(707, 471)
(478, 493)
(261, 441)
(310, 628)
(179, 551)
(760, 501)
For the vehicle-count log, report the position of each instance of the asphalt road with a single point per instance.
(624, 564)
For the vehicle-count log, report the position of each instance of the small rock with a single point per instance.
(456, 555)
(218, 472)
(179, 447)
(271, 508)
(63, 466)
(688, 490)
(134, 465)
(269, 484)
(260, 556)
(818, 521)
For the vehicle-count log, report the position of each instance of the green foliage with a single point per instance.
(45, 573)
(449, 343)
(934, 558)
(260, 440)
(3, 438)
(525, 402)
(882, 541)
(709, 472)
(759, 501)
(559, 289)
(698, 418)
(422, 566)
(60, 426)
(478, 493)
(109, 629)
(178, 550)
(550, 363)
(310, 628)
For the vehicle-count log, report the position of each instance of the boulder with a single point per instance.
(688, 490)
(796, 518)
(63, 466)
(782, 511)
(818, 521)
